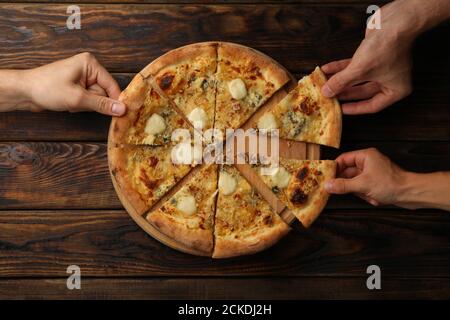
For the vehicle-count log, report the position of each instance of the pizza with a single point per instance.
(245, 81)
(188, 215)
(244, 221)
(150, 119)
(300, 185)
(210, 209)
(144, 175)
(187, 77)
(305, 114)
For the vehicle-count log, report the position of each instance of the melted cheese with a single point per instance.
(227, 183)
(267, 122)
(237, 89)
(187, 205)
(198, 117)
(155, 124)
(279, 177)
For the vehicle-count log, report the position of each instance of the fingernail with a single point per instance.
(326, 91)
(328, 186)
(118, 108)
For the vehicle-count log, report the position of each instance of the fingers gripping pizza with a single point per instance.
(207, 209)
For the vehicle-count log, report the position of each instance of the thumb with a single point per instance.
(104, 105)
(337, 83)
(341, 186)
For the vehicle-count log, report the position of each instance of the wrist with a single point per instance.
(14, 90)
(409, 190)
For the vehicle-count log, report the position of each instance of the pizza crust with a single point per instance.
(198, 239)
(332, 135)
(309, 213)
(178, 55)
(229, 247)
(133, 97)
(118, 169)
(271, 70)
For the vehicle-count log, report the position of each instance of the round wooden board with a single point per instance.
(288, 149)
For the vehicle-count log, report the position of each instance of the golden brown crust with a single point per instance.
(178, 55)
(118, 167)
(309, 213)
(133, 97)
(332, 135)
(229, 247)
(271, 70)
(198, 239)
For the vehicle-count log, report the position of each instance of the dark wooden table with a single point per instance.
(58, 206)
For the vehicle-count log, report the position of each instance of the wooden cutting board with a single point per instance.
(288, 149)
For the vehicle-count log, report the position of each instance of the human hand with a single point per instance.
(370, 175)
(379, 73)
(79, 83)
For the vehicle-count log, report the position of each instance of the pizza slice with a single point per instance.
(299, 184)
(188, 215)
(245, 80)
(305, 115)
(150, 119)
(187, 76)
(145, 174)
(244, 221)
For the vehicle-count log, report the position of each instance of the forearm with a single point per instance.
(430, 190)
(13, 92)
(427, 14)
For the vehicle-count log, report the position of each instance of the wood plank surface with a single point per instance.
(342, 243)
(241, 289)
(125, 37)
(56, 175)
(58, 206)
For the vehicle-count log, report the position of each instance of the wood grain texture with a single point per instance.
(368, 2)
(422, 116)
(243, 289)
(125, 37)
(341, 243)
(73, 175)
(55, 175)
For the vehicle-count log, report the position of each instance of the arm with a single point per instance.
(75, 84)
(430, 190)
(379, 73)
(374, 178)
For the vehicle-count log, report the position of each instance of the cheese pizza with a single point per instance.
(188, 215)
(207, 209)
(245, 80)
(187, 77)
(150, 119)
(145, 174)
(244, 222)
(305, 114)
(300, 185)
